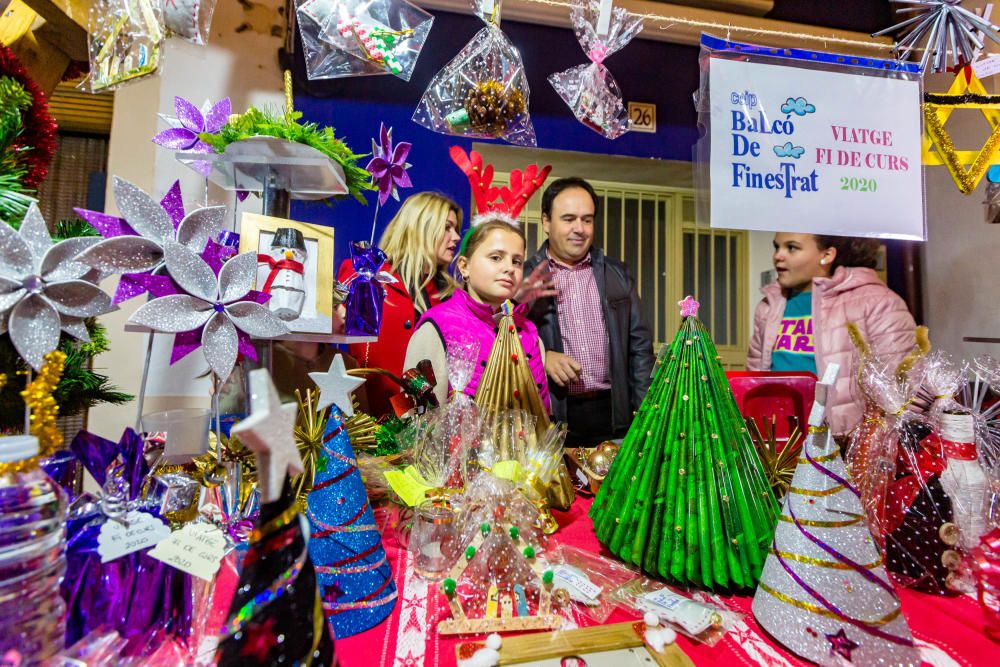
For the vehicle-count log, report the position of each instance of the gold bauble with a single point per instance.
(601, 458)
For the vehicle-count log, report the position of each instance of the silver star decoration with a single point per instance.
(947, 26)
(42, 290)
(220, 305)
(269, 433)
(335, 387)
(152, 223)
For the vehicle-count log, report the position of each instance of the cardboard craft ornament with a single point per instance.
(686, 498)
(824, 592)
(285, 281)
(949, 28)
(518, 586)
(967, 167)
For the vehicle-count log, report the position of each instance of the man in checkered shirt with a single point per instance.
(599, 350)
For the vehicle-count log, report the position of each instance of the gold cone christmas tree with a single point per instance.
(686, 498)
(508, 385)
(824, 592)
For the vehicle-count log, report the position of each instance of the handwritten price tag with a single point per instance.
(694, 617)
(575, 579)
(139, 531)
(987, 66)
(197, 549)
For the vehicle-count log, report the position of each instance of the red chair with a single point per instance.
(786, 396)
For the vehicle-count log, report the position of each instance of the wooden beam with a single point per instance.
(748, 7)
(45, 63)
(684, 25)
(67, 24)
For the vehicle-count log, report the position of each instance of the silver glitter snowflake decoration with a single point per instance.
(43, 291)
(944, 26)
(225, 309)
(154, 224)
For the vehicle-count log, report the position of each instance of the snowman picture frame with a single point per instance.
(294, 266)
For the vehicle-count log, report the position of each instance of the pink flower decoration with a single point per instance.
(388, 166)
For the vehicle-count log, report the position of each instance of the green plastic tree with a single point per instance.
(686, 498)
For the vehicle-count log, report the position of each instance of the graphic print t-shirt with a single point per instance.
(794, 350)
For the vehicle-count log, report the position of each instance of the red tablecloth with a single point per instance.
(949, 631)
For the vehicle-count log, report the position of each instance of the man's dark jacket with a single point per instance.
(630, 342)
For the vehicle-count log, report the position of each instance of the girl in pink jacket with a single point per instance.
(823, 283)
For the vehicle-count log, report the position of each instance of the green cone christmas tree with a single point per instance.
(686, 498)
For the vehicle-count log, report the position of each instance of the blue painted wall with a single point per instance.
(646, 71)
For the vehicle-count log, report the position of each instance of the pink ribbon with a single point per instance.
(598, 53)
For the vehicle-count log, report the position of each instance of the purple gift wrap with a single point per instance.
(136, 594)
(365, 292)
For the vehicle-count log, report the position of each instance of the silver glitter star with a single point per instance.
(335, 387)
(42, 290)
(219, 305)
(269, 433)
(948, 28)
(155, 228)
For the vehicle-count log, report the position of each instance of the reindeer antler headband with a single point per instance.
(504, 203)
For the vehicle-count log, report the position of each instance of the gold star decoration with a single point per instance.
(966, 92)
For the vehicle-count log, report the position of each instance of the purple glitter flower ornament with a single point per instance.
(388, 166)
(220, 312)
(189, 122)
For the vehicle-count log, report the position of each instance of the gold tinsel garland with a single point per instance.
(43, 411)
(966, 179)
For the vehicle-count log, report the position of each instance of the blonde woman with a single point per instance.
(421, 242)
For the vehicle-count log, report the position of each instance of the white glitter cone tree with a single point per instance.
(824, 592)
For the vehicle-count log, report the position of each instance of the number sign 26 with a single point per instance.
(643, 116)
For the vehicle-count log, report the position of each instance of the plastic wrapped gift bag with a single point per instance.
(125, 39)
(366, 294)
(134, 594)
(590, 90)
(483, 92)
(324, 60)
(189, 19)
(386, 34)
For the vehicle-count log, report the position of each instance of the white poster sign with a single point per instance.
(803, 150)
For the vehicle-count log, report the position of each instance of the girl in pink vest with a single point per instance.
(491, 269)
(823, 283)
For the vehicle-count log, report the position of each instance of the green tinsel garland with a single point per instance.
(15, 198)
(258, 122)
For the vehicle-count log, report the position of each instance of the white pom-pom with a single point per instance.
(660, 638)
(494, 642)
(484, 657)
(650, 619)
